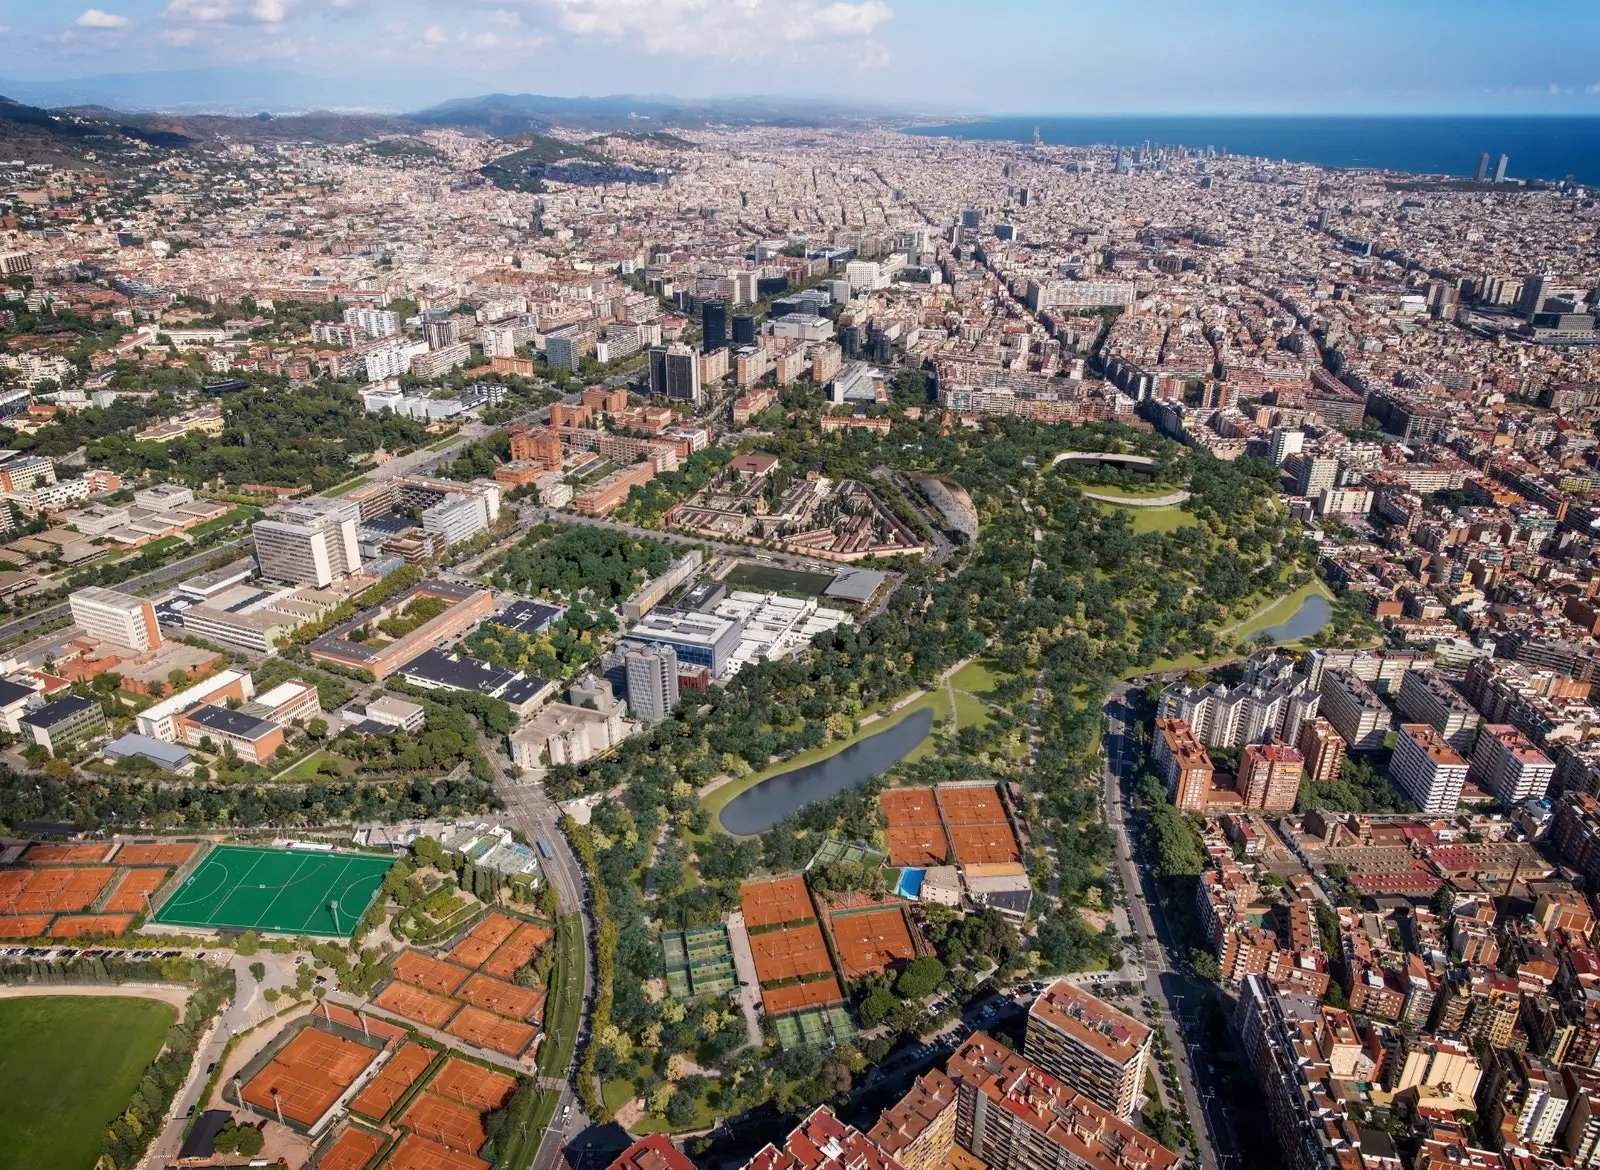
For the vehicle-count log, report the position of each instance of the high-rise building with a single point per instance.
(1285, 441)
(1482, 171)
(1089, 1045)
(1313, 474)
(713, 325)
(1323, 750)
(1507, 764)
(373, 322)
(1183, 762)
(1427, 769)
(303, 544)
(1500, 165)
(1269, 776)
(652, 683)
(1428, 697)
(675, 373)
(1354, 710)
(744, 329)
(116, 617)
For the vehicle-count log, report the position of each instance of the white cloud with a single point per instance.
(434, 35)
(502, 16)
(181, 37)
(228, 11)
(711, 28)
(95, 18)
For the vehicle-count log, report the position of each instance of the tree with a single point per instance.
(878, 1004)
(920, 977)
(258, 971)
(1444, 901)
(317, 729)
(681, 1110)
(250, 1141)
(248, 943)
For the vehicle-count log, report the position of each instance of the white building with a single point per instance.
(458, 518)
(306, 545)
(1506, 763)
(1427, 770)
(373, 322)
(157, 721)
(116, 617)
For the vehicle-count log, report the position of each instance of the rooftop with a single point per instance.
(1091, 1021)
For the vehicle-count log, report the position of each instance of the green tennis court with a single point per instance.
(280, 891)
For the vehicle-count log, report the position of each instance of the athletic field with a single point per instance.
(281, 891)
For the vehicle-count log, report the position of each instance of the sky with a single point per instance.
(954, 56)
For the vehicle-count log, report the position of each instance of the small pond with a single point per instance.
(1312, 615)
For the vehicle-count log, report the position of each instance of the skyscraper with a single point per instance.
(714, 325)
(1500, 165)
(744, 329)
(1482, 172)
(652, 683)
(304, 544)
(675, 373)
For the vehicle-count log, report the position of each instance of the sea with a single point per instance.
(1549, 148)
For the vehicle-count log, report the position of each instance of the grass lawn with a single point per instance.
(970, 710)
(979, 678)
(1154, 519)
(704, 1115)
(616, 1093)
(441, 444)
(770, 578)
(68, 1066)
(241, 515)
(305, 772)
(348, 485)
(565, 999)
(1280, 611)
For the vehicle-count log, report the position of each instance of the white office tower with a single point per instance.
(652, 683)
(116, 617)
(308, 543)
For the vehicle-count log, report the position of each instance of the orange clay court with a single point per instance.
(449, 1123)
(817, 993)
(984, 844)
(416, 1004)
(392, 1081)
(80, 925)
(309, 1074)
(471, 1085)
(918, 845)
(963, 806)
(168, 854)
(131, 891)
(354, 1149)
(496, 995)
(482, 939)
(416, 967)
(487, 1030)
(28, 926)
(418, 1153)
(790, 954)
(54, 890)
(382, 1029)
(869, 940)
(518, 950)
(67, 854)
(776, 902)
(909, 806)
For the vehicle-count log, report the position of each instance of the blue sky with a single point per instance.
(1026, 56)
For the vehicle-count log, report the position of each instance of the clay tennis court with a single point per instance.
(68, 854)
(979, 805)
(868, 941)
(354, 1149)
(309, 1074)
(487, 1030)
(163, 854)
(79, 925)
(984, 844)
(482, 939)
(817, 993)
(449, 1123)
(775, 903)
(518, 950)
(918, 845)
(471, 1085)
(382, 1029)
(416, 1004)
(418, 1153)
(790, 954)
(131, 891)
(496, 995)
(909, 806)
(416, 967)
(392, 1081)
(55, 890)
(28, 926)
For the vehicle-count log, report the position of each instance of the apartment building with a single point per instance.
(1427, 769)
(1090, 1046)
(919, 1130)
(1269, 776)
(1322, 749)
(116, 617)
(1184, 764)
(1428, 698)
(1506, 763)
(1357, 714)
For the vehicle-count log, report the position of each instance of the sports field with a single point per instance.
(280, 891)
(68, 1066)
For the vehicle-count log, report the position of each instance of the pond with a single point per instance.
(761, 807)
(1312, 615)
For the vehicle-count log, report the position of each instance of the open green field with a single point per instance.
(280, 891)
(978, 677)
(305, 772)
(240, 515)
(348, 485)
(1154, 519)
(771, 579)
(68, 1066)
